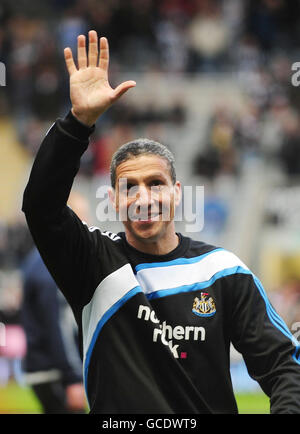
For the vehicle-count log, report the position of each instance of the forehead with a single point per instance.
(143, 166)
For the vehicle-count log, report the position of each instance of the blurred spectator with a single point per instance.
(133, 36)
(12, 353)
(279, 133)
(286, 301)
(246, 55)
(259, 86)
(274, 22)
(53, 365)
(46, 91)
(290, 149)
(15, 242)
(249, 129)
(219, 155)
(72, 24)
(172, 41)
(23, 34)
(208, 37)
(215, 216)
(105, 145)
(20, 242)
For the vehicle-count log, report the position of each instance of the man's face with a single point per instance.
(145, 196)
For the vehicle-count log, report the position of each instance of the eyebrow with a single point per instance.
(159, 175)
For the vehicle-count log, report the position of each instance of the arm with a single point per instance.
(54, 330)
(47, 307)
(269, 350)
(66, 245)
(59, 235)
(41, 321)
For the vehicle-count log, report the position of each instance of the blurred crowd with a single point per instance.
(254, 41)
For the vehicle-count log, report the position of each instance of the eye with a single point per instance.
(125, 187)
(132, 190)
(156, 182)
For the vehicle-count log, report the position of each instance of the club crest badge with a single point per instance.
(204, 306)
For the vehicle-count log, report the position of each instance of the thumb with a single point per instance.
(122, 88)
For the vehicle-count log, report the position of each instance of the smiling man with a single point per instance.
(156, 311)
(145, 193)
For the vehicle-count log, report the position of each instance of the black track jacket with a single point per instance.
(155, 329)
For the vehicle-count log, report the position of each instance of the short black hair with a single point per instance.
(138, 147)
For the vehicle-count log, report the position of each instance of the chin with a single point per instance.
(147, 234)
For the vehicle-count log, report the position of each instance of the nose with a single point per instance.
(144, 197)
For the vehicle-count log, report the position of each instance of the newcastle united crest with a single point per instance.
(204, 306)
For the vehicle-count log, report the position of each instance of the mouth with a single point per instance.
(153, 217)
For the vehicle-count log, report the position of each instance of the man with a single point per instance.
(156, 310)
(52, 363)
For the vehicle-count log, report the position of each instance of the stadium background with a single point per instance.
(213, 83)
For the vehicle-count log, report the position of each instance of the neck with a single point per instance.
(161, 246)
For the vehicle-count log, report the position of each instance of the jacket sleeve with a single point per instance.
(271, 353)
(65, 243)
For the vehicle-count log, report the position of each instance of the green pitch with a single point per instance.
(253, 403)
(16, 399)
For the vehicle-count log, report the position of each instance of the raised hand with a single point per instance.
(90, 91)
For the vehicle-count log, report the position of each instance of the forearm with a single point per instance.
(56, 164)
(267, 345)
(285, 395)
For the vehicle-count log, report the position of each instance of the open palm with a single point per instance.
(90, 91)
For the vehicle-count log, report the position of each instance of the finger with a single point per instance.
(69, 61)
(93, 48)
(81, 52)
(104, 54)
(122, 88)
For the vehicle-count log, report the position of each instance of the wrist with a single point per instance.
(75, 128)
(85, 119)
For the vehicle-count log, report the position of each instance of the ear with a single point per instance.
(113, 198)
(177, 193)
